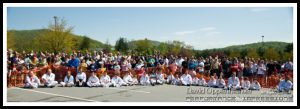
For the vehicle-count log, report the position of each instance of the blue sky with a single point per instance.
(201, 27)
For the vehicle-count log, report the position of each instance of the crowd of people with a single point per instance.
(98, 69)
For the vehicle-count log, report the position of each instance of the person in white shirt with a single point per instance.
(170, 79)
(202, 81)
(129, 80)
(145, 80)
(212, 82)
(186, 79)
(31, 81)
(105, 80)
(221, 82)
(201, 67)
(246, 84)
(80, 79)
(160, 77)
(139, 65)
(195, 81)
(48, 79)
(255, 85)
(233, 82)
(93, 81)
(68, 81)
(117, 80)
(177, 80)
(285, 85)
(261, 69)
(166, 62)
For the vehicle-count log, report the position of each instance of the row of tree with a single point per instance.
(58, 37)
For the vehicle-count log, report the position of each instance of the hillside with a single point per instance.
(24, 38)
(23, 41)
(273, 44)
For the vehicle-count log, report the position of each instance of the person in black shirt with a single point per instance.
(270, 68)
(207, 67)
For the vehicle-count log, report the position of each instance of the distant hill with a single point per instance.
(274, 44)
(24, 38)
(153, 42)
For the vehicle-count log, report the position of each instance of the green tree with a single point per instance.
(261, 51)
(107, 47)
(251, 53)
(10, 40)
(289, 48)
(234, 53)
(85, 44)
(58, 37)
(145, 47)
(287, 56)
(163, 48)
(271, 53)
(121, 45)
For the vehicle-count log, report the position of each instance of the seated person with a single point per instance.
(93, 81)
(68, 81)
(233, 82)
(212, 82)
(145, 80)
(246, 84)
(105, 80)
(31, 81)
(186, 79)
(255, 85)
(117, 80)
(177, 80)
(285, 85)
(128, 80)
(221, 82)
(170, 79)
(202, 81)
(81, 79)
(160, 77)
(48, 79)
(195, 81)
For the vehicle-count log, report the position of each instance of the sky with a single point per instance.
(201, 27)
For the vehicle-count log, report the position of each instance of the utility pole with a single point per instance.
(55, 22)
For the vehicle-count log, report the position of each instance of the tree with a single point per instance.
(144, 47)
(289, 48)
(287, 56)
(107, 47)
(57, 37)
(251, 53)
(163, 48)
(234, 53)
(85, 44)
(261, 51)
(244, 52)
(10, 40)
(121, 45)
(270, 53)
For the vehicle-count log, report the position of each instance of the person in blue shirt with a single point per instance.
(74, 62)
(93, 67)
(192, 64)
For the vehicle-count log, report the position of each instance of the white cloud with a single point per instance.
(212, 33)
(207, 29)
(259, 9)
(182, 33)
(204, 29)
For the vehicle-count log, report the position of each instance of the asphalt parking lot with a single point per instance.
(161, 93)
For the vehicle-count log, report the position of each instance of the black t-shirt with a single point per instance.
(184, 64)
(271, 67)
(207, 66)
